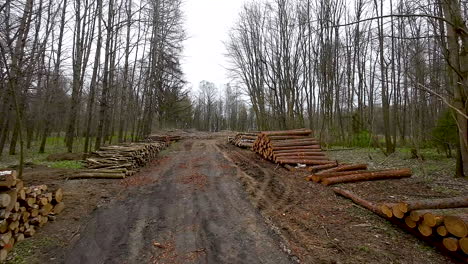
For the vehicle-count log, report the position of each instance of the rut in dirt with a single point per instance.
(196, 212)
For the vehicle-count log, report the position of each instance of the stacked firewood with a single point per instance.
(421, 215)
(244, 140)
(290, 147)
(118, 162)
(24, 209)
(446, 232)
(330, 174)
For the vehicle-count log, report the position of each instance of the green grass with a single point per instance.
(65, 164)
(23, 252)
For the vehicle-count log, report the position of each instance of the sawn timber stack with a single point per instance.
(117, 162)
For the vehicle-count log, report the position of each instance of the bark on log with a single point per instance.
(295, 148)
(319, 176)
(299, 154)
(317, 168)
(287, 133)
(358, 200)
(301, 161)
(377, 175)
(97, 176)
(350, 167)
(301, 158)
(443, 203)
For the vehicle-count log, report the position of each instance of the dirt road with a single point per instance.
(195, 212)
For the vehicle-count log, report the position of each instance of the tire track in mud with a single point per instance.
(275, 200)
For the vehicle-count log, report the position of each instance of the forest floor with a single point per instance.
(205, 201)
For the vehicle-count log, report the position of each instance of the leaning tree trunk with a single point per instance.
(458, 61)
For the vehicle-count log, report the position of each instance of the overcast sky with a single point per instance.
(207, 23)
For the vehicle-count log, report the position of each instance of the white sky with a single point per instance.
(207, 23)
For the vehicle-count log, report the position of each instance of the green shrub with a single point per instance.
(361, 139)
(445, 134)
(66, 164)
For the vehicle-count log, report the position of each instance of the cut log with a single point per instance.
(30, 231)
(456, 226)
(8, 178)
(442, 231)
(5, 237)
(312, 158)
(432, 220)
(415, 215)
(304, 132)
(58, 195)
(98, 176)
(410, 223)
(19, 237)
(372, 207)
(301, 161)
(443, 203)
(289, 167)
(5, 199)
(299, 154)
(305, 149)
(13, 198)
(386, 209)
(317, 168)
(450, 243)
(345, 168)
(21, 193)
(58, 208)
(464, 244)
(358, 200)
(376, 175)
(46, 209)
(13, 225)
(425, 230)
(320, 176)
(19, 184)
(3, 226)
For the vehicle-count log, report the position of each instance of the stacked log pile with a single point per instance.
(163, 138)
(446, 232)
(291, 147)
(244, 140)
(421, 216)
(118, 162)
(352, 173)
(298, 147)
(24, 209)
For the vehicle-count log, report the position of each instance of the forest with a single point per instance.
(385, 74)
(338, 132)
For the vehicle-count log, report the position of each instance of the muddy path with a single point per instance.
(196, 211)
